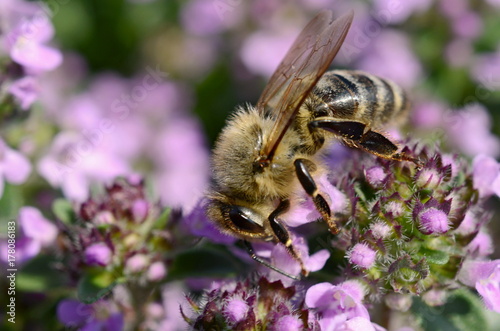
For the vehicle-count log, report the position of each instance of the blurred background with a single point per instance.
(145, 86)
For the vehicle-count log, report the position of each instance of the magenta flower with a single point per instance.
(156, 271)
(101, 315)
(14, 167)
(35, 233)
(74, 162)
(281, 259)
(302, 209)
(205, 17)
(470, 130)
(486, 174)
(397, 12)
(389, 56)
(181, 181)
(98, 254)
(262, 51)
(137, 263)
(486, 70)
(25, 90)
(25, 43)
(485, 277)
(337, 304)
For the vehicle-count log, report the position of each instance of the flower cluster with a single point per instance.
(121, 233)
(24, 36)
(409, 227)
(251, 305)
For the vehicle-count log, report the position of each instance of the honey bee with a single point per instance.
(268, 151)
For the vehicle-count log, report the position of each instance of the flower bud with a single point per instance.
(362, 255)
(98, 255)
(434, 221)
(235, 310)
(376, 176)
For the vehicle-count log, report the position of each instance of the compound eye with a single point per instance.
(243, 218)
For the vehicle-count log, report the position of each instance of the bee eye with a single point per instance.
(243, 218)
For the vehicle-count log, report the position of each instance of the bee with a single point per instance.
(266, 152)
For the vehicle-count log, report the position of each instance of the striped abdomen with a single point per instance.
(357, 95)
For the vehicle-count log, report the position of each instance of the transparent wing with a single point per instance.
(302, 67)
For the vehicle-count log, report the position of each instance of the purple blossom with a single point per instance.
(282, 259)
(467, 25)
(380, 230)
(397, 12)
(486, 175)
(25, 43)
(486, 70)
(25, 90)
(14, 167)
(434, 221)
(137, 263)
(428, 114)
(197, 223)
(101, 315)
(181, 181)
(263, 51)
(337, 304)
(389, 56)
(469, 130)
(235, 310)
(35, 233)
(485, 277)
(73, 163)
(362, 256)
(481, 245)
(98, 254)
(302, 209)
(157, 271)
(206, 18)
(375, 176)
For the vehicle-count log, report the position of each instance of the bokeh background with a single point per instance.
(144, 87)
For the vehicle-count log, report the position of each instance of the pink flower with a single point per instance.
(340, 305)
(25, 90)
(485, 277)
(98, 254)
(263, 51)
(469, 129)
(25, 43)
(36, 232)
(14, 167)
(486, 175)
(302, 209)
(389, 56)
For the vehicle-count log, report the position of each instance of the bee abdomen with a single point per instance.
(356, 95)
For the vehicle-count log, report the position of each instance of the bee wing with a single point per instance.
(299, 71)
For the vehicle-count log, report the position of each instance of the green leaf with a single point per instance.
(435, 257)
(64, 211)
(39, 275)
(462, 312)
(204, 262)
(94, 286)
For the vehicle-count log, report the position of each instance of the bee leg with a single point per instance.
(303, 168)
(358, 135)
(258, 259)
(377, 144)
(282, 234)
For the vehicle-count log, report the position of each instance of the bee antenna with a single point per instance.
(257, 258)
